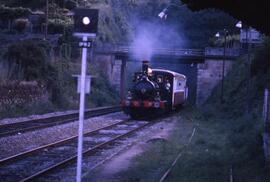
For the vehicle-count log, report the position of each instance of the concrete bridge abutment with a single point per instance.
(209, 73)
(115, 70)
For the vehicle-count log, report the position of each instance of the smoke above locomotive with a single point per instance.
(149, 36)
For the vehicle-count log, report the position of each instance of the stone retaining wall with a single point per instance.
(18, 93)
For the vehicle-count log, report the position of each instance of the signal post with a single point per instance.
(85, 27)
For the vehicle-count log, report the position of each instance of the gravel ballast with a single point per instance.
(15, 144)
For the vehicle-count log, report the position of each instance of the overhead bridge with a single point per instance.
(197, 55)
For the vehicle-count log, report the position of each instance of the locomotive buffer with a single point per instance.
(85, 27)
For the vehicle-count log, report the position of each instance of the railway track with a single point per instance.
(30, 125)
(41, 163)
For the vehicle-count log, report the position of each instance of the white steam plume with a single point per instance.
(154, 35)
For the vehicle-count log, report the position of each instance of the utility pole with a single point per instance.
(223, 66)
(46, 20)
(225, 33)
(249, 63)
(248, 39)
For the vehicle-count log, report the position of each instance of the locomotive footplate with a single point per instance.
(137, 109)
(144, 104)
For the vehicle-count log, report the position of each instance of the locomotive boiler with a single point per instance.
(155, 91)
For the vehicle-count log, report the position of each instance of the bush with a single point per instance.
(261, 60)
(29, 59)
(58, 25)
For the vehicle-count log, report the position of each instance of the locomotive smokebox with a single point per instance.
(145, 66)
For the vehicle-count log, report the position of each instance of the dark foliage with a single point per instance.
(261, 63)
(253, 13)
(70, 4)
(31, 59)
(33, 4)
(11, 13)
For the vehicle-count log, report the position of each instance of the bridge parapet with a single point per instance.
(156, 52)
(209, 52)
(219, 52)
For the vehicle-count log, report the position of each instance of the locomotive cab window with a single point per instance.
(159, 78)
(179, 84)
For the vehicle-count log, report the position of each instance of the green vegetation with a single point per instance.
(221, 144)
(31, 60)
(8, 14)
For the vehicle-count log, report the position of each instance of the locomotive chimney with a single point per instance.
(145, 66)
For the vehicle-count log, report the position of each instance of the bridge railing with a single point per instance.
(210, 51)
(179, 52)
(155, 51)
(174, 52)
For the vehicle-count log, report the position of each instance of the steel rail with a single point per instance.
(174, 162)
(29, 152)
(92, 150)
(21, 127)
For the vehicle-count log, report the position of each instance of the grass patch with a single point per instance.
(220, 144)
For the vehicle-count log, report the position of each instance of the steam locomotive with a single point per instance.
(155, 91)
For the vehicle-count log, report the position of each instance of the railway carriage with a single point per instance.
(155, 91)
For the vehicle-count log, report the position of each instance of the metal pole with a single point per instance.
(223, 67)
(81, 114)
(46, 20)
(265, 106)
(249, 72)
(123, 80)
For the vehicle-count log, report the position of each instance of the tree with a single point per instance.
(9, 14)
